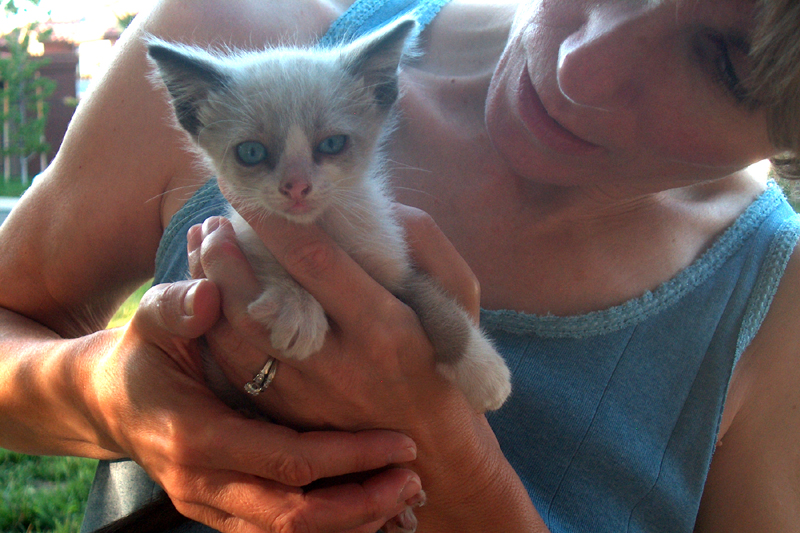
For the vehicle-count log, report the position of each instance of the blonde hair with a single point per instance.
(775, 79)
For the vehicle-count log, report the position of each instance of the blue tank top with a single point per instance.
(614, 414)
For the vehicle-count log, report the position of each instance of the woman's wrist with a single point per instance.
(469, 483)
(100, 376)
(45, 407)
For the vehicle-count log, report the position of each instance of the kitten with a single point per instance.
(298, 133)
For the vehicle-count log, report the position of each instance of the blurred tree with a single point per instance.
(23, 96)
(123, 21)
(12, 6)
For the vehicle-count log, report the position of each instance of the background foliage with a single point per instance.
(43, 494)
(23, 93)
(48, 494)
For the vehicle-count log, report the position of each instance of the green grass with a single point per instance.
(792, 191)
(48, 494)
(13, 188)
(126, 310)
(43, 494)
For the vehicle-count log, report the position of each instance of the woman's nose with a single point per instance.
(599, 65)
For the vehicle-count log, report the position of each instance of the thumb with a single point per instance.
(183, 309)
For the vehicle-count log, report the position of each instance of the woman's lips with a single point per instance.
(543, 127)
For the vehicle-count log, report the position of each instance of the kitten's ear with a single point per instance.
(190, 75)
(376, 58)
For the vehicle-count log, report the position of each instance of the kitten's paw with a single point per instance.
(481, 374)
(297, 320)
(405, 522)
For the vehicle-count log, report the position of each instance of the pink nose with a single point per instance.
(295, 190)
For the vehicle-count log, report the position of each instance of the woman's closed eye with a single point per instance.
(716, 52)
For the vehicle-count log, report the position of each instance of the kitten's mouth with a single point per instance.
(300, 211)
(299, 207)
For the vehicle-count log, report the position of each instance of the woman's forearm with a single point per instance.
(47, 389)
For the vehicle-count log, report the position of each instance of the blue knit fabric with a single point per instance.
(365, 15)
(615, 413)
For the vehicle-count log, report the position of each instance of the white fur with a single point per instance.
(289, 101)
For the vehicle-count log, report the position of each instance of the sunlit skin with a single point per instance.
(638, 83)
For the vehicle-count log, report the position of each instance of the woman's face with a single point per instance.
(626, 92)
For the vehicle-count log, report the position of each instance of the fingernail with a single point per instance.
(210, 225)
(404, 456)
(418, 500)
(412, 487)
(188, 300)
(194, 238)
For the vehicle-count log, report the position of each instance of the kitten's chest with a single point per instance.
(374, 240)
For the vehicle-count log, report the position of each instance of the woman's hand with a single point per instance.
(376, 368)
(220, 468)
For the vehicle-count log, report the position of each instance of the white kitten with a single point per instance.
(298, 133)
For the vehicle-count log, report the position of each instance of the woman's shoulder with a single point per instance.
(466, 38)
(245, 24)
(753, 483)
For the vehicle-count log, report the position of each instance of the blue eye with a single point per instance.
(332, 145)
(251, 153)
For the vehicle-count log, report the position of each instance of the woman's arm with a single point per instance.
(138, 392)
(754, 482)
(83, 238)
(86, 233)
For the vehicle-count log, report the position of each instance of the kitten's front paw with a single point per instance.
(297, 320)
(405, 522)
(481, 374)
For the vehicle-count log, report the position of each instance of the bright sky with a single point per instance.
(81, 21)
(91, 13)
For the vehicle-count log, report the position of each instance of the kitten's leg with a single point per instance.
(405, 522)
(463, 354)
(297, 321)
(481, 373)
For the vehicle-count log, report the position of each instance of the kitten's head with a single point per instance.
(287, 129)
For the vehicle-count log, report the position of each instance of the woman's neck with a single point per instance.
(536, 247)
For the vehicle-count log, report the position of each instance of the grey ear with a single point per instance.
(190, 75)
(377, 56)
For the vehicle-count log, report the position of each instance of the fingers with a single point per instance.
(214, 253)
(172, 315)
(194, 240)
(231, 472)
(347, 293)
(238, 474)
(369, 504)
(298, 459)
(184, 309)
(259, 506)
(263, 482)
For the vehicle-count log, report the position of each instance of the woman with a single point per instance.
(640, 284)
